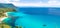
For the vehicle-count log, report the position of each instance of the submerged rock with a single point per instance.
(44, 25)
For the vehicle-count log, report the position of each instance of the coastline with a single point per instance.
(1, 19)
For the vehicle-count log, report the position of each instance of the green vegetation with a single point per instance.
(4, 10)
(3, 25)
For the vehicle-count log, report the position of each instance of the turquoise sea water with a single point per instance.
(36, 18)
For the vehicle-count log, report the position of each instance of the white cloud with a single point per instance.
(51, 3)
(40, 4)
(4, 1)
(14, 0)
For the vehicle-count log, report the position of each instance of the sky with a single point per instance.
(33, 3)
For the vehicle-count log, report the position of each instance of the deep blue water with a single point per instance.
(38, 17)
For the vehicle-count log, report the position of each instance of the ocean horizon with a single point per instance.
(37, 17)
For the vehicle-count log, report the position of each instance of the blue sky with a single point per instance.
(33, 3)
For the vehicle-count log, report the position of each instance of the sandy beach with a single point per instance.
(1, 19)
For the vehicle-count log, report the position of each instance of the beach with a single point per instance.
(2, 18)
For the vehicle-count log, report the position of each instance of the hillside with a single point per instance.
(6, 8)
(5, 5)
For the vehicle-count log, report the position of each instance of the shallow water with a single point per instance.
(35, 18)
(37, 21)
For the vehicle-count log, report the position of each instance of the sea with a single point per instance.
(37, 17)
